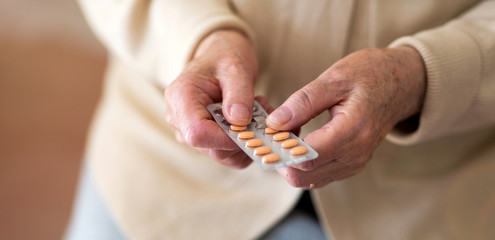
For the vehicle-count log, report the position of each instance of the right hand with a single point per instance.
(224, 68)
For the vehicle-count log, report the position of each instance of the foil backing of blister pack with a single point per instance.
(258, 126)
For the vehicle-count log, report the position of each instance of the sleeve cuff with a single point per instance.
(453, 64)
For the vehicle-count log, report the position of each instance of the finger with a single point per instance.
(179, 137)
(233, 159)
(337, 174)
(239, 160)
(236, 82)
(187, 103)
(321, 176)
(269, 109)
(207, 134)
(217, 154)
(198, 132)
(343, 173)
(335, 140)
(307, 103)
(297, 178)
(188, 96)
(221, 154)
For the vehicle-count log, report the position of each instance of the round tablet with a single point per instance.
(281, 136)
(262, 150)
(271, 158)
(237, 128)
(289, 143)
(246, 135)
(298, 150)
(270, 130)
(254, 142)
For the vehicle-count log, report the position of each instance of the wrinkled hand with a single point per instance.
(224, 68)
(366, 93)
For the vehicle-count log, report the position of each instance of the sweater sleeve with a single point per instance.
(460, 63)
(158, 37)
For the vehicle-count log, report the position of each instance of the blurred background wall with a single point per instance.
(51, 68)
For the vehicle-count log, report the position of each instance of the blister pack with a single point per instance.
(270, 148)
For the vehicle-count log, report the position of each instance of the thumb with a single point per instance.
(237, 92)
(305, 104)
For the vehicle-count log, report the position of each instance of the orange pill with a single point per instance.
(270, 130)
(254, 142)
(237, 128)
(271, 158)
(289, 143)
(281, 136)
(245, 135)
(298, 150)
(262, 150)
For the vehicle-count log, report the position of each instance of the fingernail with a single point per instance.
(239, 111)
(280, 116)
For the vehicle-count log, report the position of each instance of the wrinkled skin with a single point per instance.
(366, 93)
(224, 65)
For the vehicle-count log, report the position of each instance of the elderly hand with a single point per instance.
(366, 93)
(224, 68)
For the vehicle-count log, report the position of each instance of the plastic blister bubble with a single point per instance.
(258, 125)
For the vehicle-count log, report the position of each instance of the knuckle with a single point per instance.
(337, 81)
(366, 134)
(337, 73)
(169, 118)
(231, 59)
(231, 64)
(369, 130)
(171, 92)
(179, 137)
(193, 136)
(303, 99)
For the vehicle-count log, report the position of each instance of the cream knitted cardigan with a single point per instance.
(434, 183)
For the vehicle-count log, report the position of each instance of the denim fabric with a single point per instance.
(91, 219)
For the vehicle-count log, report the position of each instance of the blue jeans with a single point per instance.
(91, 219)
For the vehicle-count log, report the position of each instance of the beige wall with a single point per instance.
(50, 76)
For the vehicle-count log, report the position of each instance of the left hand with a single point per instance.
(366, 93)
(223, 66)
